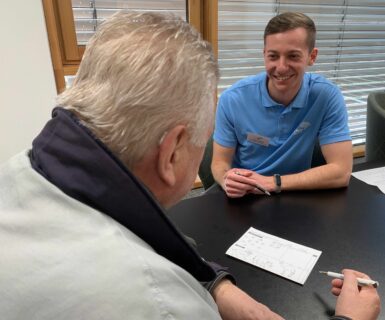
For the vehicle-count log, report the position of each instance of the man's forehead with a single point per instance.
(291, 40)
(297, 33)
(288, 51)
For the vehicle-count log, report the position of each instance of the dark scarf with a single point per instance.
(74, 160)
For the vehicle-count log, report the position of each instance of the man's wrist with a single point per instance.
(221, 287)
(224, 178)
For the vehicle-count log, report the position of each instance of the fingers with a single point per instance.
(232, 193)
(336, 291)
(337, 283)
(243, 172)
(235, 193)
(349, 283)
(364, 289)
(256, 191)
(350, 280)
(337, 286)
(236, 183)
(355, 273)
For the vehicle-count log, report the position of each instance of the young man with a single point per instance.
(82, 226)
(267, 125)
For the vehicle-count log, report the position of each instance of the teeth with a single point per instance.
(283, 78)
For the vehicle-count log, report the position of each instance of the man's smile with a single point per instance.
(283, 78)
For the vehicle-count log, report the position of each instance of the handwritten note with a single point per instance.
(279, 256)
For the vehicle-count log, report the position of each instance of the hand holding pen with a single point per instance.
(360, 281)
(358, 298)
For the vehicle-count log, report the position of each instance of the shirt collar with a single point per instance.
(298, 102)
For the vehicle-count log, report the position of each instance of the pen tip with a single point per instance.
(322, 272)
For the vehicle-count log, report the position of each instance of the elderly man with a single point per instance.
(83, 232)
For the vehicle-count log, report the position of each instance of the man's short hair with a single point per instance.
(142, 74)
(289, 21)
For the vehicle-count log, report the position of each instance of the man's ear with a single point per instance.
(170, 153)
(313, 56)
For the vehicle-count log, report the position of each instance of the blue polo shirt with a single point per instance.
(270, 138)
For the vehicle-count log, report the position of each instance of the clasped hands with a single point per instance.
(239, 182)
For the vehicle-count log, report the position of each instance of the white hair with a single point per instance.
(142, 74)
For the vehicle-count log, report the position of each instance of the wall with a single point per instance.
(27, 84)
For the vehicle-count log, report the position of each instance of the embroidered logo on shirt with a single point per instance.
(301, 127)
(258, 139)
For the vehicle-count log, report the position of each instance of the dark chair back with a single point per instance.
(375, 126)
(204, 172)
(317, 158)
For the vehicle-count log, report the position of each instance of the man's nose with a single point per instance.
(282, 65)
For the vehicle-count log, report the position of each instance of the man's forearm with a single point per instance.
(218, 170)
(235, 304)
(323, 177)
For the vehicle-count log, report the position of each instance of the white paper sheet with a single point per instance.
(374, 177)
(285, 258)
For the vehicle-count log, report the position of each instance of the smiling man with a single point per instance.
(268, 125)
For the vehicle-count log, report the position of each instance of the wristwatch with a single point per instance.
(277, 180)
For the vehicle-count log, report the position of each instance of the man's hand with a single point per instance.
(236, 185)
(358, 303)
(238, 182)
(234, 304)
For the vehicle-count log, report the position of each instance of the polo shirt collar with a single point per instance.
(298, 102)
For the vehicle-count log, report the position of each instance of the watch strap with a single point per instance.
(278, 183)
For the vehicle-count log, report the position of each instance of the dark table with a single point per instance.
(347, 225)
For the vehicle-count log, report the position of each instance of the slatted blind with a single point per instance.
(89, 14)
(350, 39)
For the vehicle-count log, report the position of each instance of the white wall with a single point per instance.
(27, 84)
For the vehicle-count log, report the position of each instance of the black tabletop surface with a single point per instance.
(347, 225)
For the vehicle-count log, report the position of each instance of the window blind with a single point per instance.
(350, 39)
(89, 14)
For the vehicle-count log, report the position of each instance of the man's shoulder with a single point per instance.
(130, 276)
(319, 81)
(16, 162)
(246, 83)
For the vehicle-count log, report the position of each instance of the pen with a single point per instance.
(255, 185)
(361, 281)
